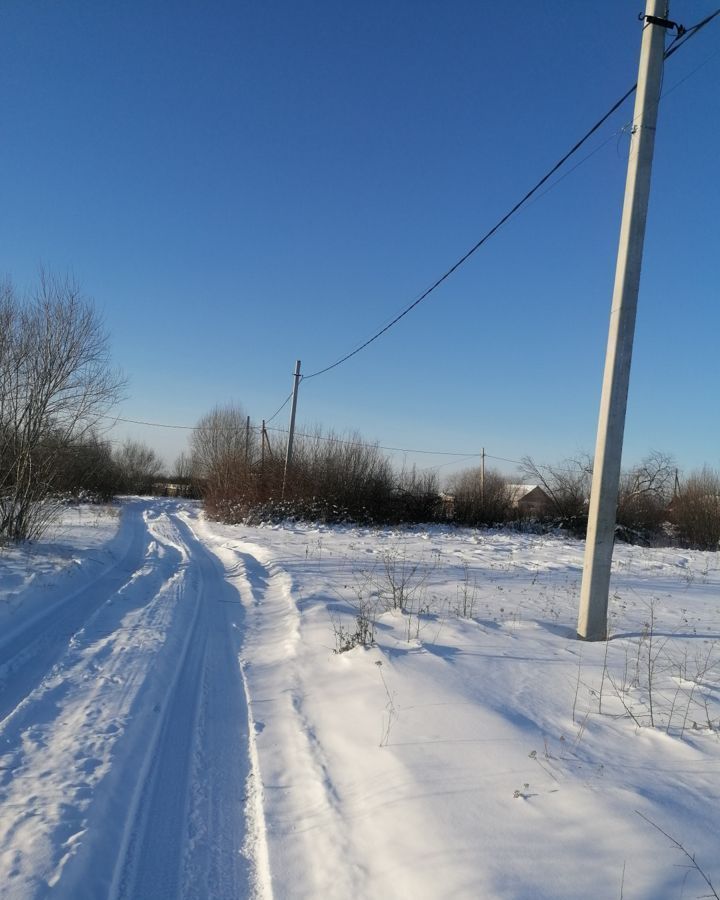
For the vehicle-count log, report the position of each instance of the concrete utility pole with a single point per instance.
(592, 618)
(482, 477)
(262, 456)
(291, 433)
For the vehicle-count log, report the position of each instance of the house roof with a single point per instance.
(519, 491)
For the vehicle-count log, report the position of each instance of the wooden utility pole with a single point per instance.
(291, 432)
(592, 618)
(247, 441)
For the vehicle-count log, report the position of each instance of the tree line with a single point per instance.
(57, 386)
(239, 473)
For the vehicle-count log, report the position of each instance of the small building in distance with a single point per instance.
(530, 500)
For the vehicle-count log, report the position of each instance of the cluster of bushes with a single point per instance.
(655, 504)
(695, 510)
(91, 469)
(239, 472)
(332, 478)
(474, 498)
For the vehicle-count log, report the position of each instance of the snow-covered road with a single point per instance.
(124, 748)
(176, 724)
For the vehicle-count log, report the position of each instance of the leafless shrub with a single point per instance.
(658, 690)
(402, 579)
(363, 633)
(466, 595)
(696, 510)
(478, 501)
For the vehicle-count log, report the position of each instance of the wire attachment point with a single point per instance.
(663, 23)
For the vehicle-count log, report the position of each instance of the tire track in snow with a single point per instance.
(294, 810)
(59, 746)
(30, 653)
(125, 771)
(187, 835)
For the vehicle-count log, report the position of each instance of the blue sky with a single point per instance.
(239, 185)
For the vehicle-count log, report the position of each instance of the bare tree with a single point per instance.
(567, 484)
(56, 384)
(138, 467)
(182, 468)
(646, 492)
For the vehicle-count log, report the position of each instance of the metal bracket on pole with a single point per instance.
(663, 23)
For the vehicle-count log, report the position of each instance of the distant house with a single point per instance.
(530, 500)
(173, 489)
(446, 504)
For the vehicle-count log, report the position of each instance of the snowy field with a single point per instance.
(176, 720)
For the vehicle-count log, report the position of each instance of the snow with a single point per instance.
(124, 766)
(176, 721)
(453, 758)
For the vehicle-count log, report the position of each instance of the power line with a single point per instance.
(334, 440)
(328, 439)
(281, 407)
(152, 424)
(453, 462)
(683, 36)
(255, 428)
(436, 284)
(240, 433)
(466, 455)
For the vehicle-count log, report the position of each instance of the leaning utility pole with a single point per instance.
(291, 433)
(592, 618)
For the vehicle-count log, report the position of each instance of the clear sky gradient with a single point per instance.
(239, 185)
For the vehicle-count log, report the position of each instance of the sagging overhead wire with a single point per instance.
(486, 237)
(257, 429)
(681, 38)
(280, 408)
(336, 440)
(462, 455)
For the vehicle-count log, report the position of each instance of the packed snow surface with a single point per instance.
(191, 710)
